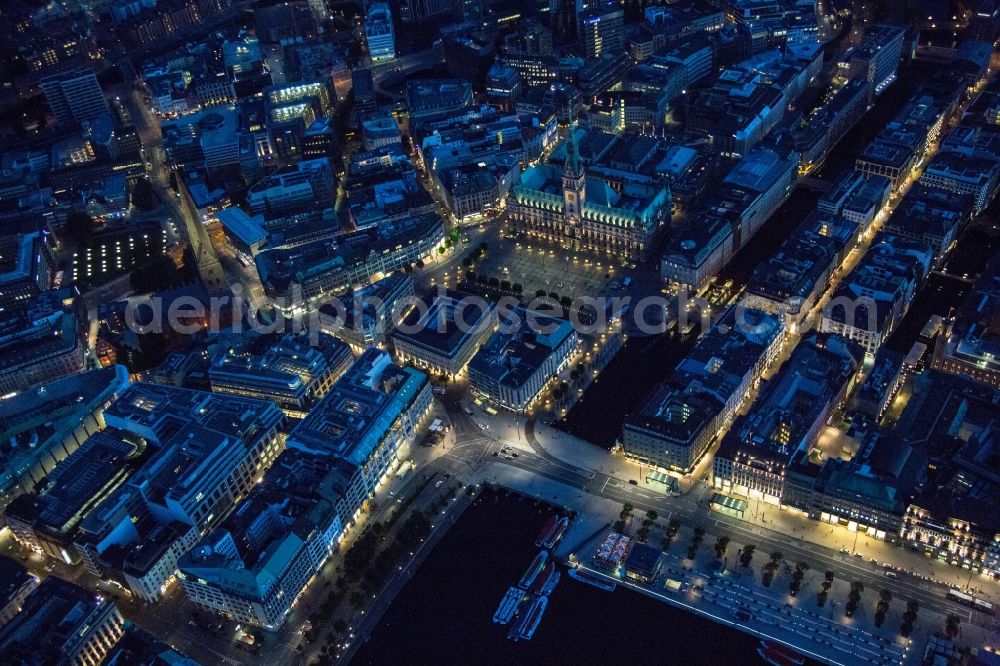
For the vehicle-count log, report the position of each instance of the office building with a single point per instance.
(756, 187)
(873, 298)
(295, 372)
(138, 647)
(444, 331)
(26, 264)
(46, 520)
(867, 494)
(881, 385)
(602, 30)
(688, 413)
(206, 451)
(420, 11)
(785, 418)
(791, 281)
(253, 567)
(61, 623)
(933, 217)
(435, 99)
(519, 360)
(503, 86)
(747, 100)
(876, 59)
(211, 445)
(45, 346)
(951, 421)
(307, 185)
(474, 192)
(379, 33)
(370, 314)
(963, 175)
(361, 423)
(310, 272)
(380, 130)
(48, 424)
(867, 201)
(363, 86)
(75, 97)
(903, 142)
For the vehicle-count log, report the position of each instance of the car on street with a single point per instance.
(891, 574)
(496, 454)
(845, 551)
(633, 482)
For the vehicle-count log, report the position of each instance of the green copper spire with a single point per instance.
(572, 152)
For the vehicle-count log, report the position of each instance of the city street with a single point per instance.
(798, 537)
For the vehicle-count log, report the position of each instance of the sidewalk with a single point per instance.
(864, 548)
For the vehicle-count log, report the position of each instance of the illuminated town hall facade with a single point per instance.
(580, 212)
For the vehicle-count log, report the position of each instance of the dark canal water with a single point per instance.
(444, 615)
(625, 383)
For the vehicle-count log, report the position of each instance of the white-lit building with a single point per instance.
(362, 422)
(514, 366)
(379, 33)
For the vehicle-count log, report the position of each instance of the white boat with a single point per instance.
(590, 579)
(534, 616)
(509, 603)
(555, 533)
(551, 583)
(533, 570)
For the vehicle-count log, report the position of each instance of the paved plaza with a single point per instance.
(535, 267)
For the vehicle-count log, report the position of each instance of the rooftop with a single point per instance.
(360, 408)
(511, 357)
(790, 404)
(435, 326)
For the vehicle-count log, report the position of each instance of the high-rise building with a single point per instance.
(378, 32)
(469, 10)
(75, 96)
(418, 11)
(602, 30)
(363, 85)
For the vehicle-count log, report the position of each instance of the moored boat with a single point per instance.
(533, 570)
(534, 616)
(590, 579)
(550, 525)
(555, 533)
(524, 614)
(543, 578)
(509, 604)
(551, 584)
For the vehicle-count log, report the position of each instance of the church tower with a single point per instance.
(574, 178)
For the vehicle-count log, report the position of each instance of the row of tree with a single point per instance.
(772, 566)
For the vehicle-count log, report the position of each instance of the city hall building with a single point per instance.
(566, 207)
